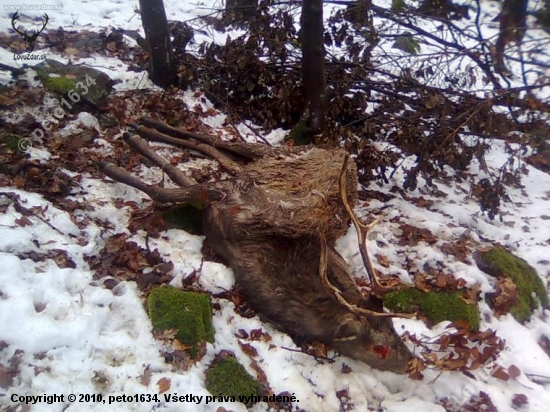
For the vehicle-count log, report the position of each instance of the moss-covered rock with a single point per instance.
(84, 83)
(227, 377)
(57, 84)
(436, 306)
(531, 292)
(188, 312)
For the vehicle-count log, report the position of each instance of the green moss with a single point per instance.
(300, 134)
(407, 43)
(185, 216)
(398, 5)
(87, 84)
(55, 84)
(436, 306)
(173, 121)
(188, 312)
(229, 378)
(531, 290)
(12, 142)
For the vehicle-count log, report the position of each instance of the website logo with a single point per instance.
(29, 38)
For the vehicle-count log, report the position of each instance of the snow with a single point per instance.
(73, 335)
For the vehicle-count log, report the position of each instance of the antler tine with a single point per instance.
(362, 232)
(323, 263)
(13, 19)
(46, 20)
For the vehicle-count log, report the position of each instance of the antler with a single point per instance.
(362, 232)
(46, 20)
(13, 19)
(323, 263)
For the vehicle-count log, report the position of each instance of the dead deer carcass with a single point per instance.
(276, 221)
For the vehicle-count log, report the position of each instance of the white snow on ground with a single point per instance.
(74, 336)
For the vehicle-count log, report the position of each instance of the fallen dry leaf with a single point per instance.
(500, 373)
(248, 349)
(146, 376)
(163, 384)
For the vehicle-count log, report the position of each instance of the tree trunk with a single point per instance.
(161, 62)
(512, 28)
(313, 65)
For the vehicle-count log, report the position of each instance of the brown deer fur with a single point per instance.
(276, 221)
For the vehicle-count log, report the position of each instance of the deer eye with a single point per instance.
(348, 330)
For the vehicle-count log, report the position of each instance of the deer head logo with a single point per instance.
(29, 38)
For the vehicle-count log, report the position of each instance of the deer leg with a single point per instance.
(245, 151)
(142, 147)
(194, 193)
(153, 135)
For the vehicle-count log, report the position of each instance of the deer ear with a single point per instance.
(349, 329)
